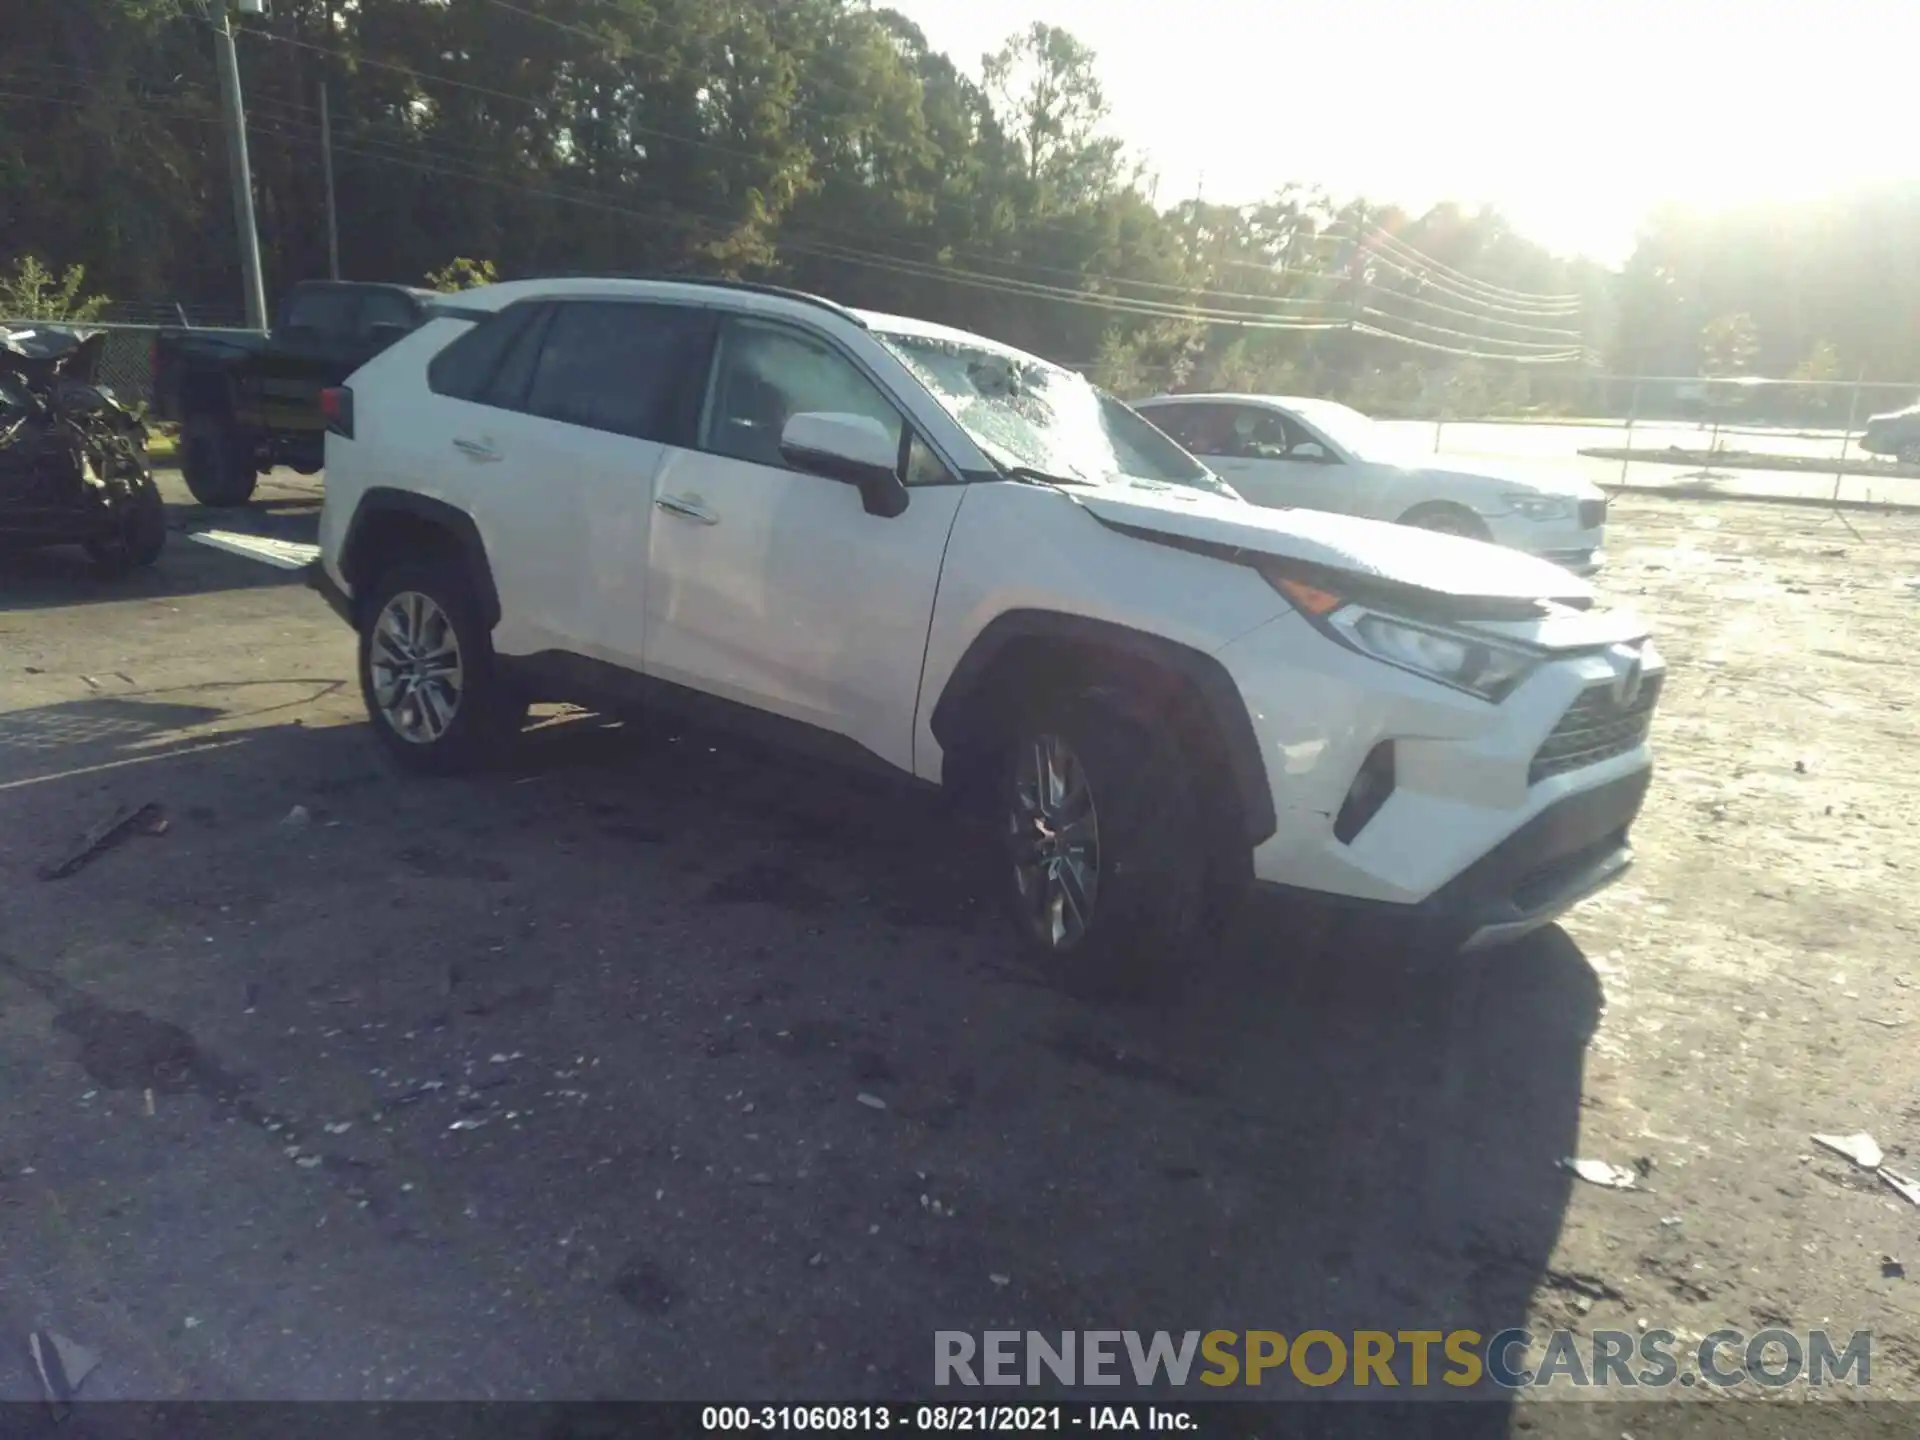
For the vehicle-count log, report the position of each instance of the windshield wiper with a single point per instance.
(1035, 476)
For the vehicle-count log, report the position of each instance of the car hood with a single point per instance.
(1505, 475)
(1912, 412)
(1374, 550)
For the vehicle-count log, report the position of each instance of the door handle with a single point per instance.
(476, 449)
(686, 509)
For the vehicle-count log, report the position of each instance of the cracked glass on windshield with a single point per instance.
(1024, 412)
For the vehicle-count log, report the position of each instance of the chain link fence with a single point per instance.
(126, 364)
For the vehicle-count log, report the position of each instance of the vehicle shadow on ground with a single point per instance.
(60, 577)
(1298, 1140)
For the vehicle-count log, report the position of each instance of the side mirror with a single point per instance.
(1308, 450)
(853, 449)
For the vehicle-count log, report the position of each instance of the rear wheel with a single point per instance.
(216, 462)
(1447, 519)
(1909, 453)
(1102, 852)
(428, 675)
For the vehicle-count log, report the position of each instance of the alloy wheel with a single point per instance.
(1053, 833)
(414, 665)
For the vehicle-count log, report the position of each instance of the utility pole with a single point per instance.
(256, 294)
(326, 167)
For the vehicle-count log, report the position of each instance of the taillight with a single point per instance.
(336, 408)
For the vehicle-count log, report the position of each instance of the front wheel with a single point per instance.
(1103, 855)
(428, 674)
(1908, 453)
(139, 530)
(1446, 519)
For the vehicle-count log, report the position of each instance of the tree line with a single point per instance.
(825, 144)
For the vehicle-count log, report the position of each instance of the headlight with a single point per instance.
(1461, 659)
(1539, 507)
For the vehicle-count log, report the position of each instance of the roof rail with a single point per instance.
(755, 287)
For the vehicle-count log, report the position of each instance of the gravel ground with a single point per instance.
(551, 1084)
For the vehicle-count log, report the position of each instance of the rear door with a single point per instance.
(616, 383)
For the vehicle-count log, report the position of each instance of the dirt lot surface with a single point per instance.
(551, 1084)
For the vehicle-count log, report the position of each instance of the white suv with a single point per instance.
(919, 549)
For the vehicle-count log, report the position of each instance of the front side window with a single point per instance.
(615, 366)
(766, 374)
(1200, 429)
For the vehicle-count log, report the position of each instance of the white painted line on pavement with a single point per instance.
(284, 554)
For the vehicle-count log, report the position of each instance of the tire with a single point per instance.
(1908, 453)
(1109, 916)
(1447, 519)
(455, 722)
(141, 532)
(216, 463)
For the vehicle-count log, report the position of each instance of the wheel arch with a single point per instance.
(389, 525)
(1022, 650)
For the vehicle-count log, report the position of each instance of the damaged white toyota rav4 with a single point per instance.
(919, 549)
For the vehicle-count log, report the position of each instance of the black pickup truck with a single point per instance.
(246, 403)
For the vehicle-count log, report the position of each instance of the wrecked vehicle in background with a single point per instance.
(73, 465)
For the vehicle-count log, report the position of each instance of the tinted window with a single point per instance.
(1200, 429)
(384, 307)
(618, 367)
(766, 374)
(508, 389)
(465, 368)
(325, 309)
(1260, 434)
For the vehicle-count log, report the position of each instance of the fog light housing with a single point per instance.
(1367, 794)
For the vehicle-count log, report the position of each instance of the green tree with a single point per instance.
(1728, 344)
(32, 292)
(461, 273)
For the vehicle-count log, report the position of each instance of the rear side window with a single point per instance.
(624, 368)
(467, 368)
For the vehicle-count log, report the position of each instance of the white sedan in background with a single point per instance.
(1319, 455)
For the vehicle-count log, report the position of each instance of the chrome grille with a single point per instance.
(1595, 728)
(1593, 514)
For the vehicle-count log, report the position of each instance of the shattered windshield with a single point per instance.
(1025, 413)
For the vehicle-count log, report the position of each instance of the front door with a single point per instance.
(774, 587)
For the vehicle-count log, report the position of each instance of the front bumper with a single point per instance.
(1474, 834)
(337, 599)
(1564, 542)
(1567, 853)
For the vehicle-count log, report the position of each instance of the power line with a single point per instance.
(799, 243)
(1541, 303)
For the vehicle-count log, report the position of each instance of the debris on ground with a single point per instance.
(1908, 1189)
(63, 1366)
(1600, 1172)
(872, 1102)
(1001, 1281)
(124, 820)
(1859, 1147)
(1892, 1269)
(296, 818)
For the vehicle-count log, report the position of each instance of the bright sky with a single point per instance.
(1573, 117)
